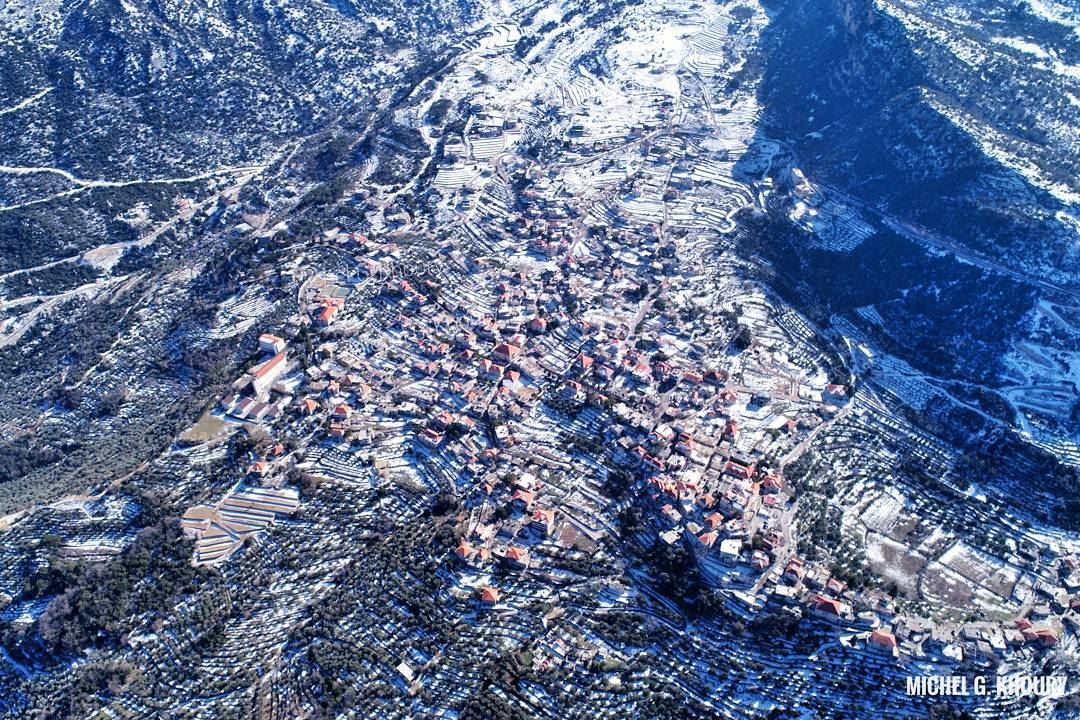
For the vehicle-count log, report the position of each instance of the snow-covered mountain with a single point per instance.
(125, 89)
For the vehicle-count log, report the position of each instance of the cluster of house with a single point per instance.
(467, 378)
(490, 369)
(515, 520)
(323, 299)
(250, 398)
(566, 646)
(869, 618)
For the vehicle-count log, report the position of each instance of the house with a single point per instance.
(671, 537)
(488, 596)
(730, 550)
(623, 451)
(368, 267)
(883, 641)
(661, 435)
(613, 351)
(582, 363)
(504, 437)
(794, 572)
(505, 353)
(1042, 636)
(706, 539)
(543, 520)
(271, 344)
(835, 394)
(829, 609)
(326, 316)
(517, 557)
(406, 671)
(714, 520)
(785, 595)
(442, 421)
(715, 377)
(815, 578)
(523, 499)
(572, 392)
(604, 372)
(772, 540)
(512, 381)
(464, 551)
(744, 472)
(265, 375)
(735, 528)
(673, 515)
(464, 424)
(490, 370)
(430, 438)
(640, 369)
(465, 340)
(771, 484)
(731, 431)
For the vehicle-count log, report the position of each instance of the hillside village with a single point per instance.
(528, 417)
(543, 433)
(568, 374)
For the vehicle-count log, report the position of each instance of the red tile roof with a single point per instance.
(883, 638)
(267, 367)
(827, 605)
